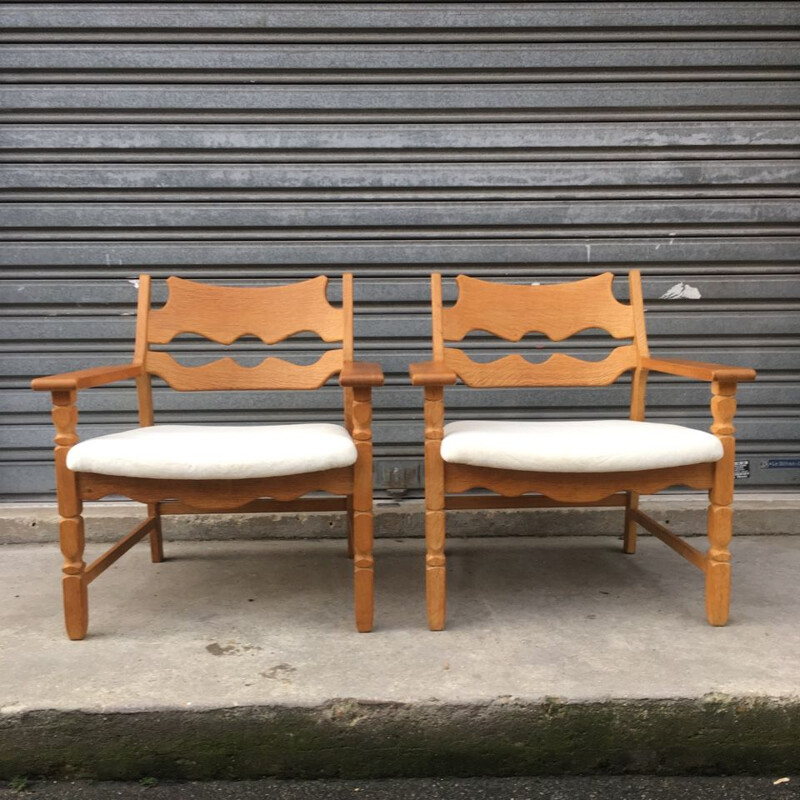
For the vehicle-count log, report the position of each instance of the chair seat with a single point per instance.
(612, 445)
(206, 452)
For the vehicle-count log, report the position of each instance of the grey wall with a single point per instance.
(519, 141)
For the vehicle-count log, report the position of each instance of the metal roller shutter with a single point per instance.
(251, 142)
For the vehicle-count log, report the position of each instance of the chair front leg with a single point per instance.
(435, 575)
(363, 564)
(720, 513)
(70, 528)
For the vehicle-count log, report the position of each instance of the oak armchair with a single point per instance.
(185, 469)
(569, 463)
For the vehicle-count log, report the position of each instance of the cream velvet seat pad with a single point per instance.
(206, 452)
(613, 445)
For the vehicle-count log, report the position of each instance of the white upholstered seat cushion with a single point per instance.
(612, 445)
(206, 452)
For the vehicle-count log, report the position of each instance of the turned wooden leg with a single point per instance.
(718, 570)
(350, 528)
(156, 539)
(363, 564)
(76, 601)
(720, 513)
(70, 527)
(629, 535)
(364, 571)
(435, 573)
(435, 580)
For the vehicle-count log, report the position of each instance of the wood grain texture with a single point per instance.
(362, 523)
(700, 370)
(577, 487)
(557, 370)
(217, 494)
(86, 378)
(436, 317)
(720, 512)
(629, 531)
(156, 533)
(639, 377)
(638, 400)
(170, 508)
(226, 374)
(361, 373)
(558, 311)
(224, 314)
(70, 526)
(144, 388)
(117, 550)
(435, 575)
(473, 501)
(347, 316)
(431, 373)
(683, 548)
(718, 569)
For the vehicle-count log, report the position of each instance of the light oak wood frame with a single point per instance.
(560, 311)
(222, 314)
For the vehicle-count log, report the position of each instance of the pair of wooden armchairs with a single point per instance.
(184, 469)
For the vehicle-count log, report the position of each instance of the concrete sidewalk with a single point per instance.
(685, 513)
(240, 659)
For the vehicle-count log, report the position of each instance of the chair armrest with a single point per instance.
(700, 370)
(431, 373)
(85, 378)
(361, 373)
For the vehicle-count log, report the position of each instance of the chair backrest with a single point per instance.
(224, 314)
(558, 311)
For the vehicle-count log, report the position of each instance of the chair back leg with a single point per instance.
(629, 535)
(156, 538)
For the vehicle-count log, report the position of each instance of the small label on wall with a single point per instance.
(781, 463)
(741, 470)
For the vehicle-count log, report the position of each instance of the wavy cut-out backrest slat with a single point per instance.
(558, 311)
(224, 314)
(272, 373)
(558, 370)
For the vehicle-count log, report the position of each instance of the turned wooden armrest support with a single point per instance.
(361, 373)
(85, 378)
(431, 373)
(700, 370)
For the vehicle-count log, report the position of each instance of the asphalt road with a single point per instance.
(573, 788)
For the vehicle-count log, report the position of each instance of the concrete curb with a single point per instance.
(348, 739)
(774, 514)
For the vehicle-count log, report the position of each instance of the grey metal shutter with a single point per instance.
(520, 141)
